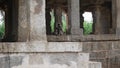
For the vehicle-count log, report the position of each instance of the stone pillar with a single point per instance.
(37, 20)
(74, 11)
(98, 22)
(102, 24)
(113, 30)
(118, 17)
(23, 22)
(58, 20)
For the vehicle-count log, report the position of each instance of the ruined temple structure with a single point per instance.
(31, 42)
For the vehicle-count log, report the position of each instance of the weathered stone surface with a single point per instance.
(113, 53)
(63, 58)
(95, 65)
(36, 59)
(97, 46)
(53, 60)
(118, 16)
(89, 64)
(15, 60)
(75, 17)
(64, 47)
(104, 62)
(116, 45)
(5, 47)
(8, 61)
(114, 62)
(4, 62)
(49, 60)
(24, 23)
(98, 55)
(83, 57)
(83, 38)
(27, 47)
(17, 47)
(37, 46)
(37, 19)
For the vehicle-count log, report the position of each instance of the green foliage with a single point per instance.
(2, 29)
(52, 22)
(64, 24)
(87, 27)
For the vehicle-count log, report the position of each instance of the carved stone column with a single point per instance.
(23, 28)
(114, 17)
(58, 20)
(118, 17)
(74, 10)
(37, 20)
(98, 25)
(103, 17)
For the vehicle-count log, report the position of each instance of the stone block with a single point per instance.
(1, 47)
(113, 53)
(87, 47)
(89, 64)
(104, 62)
(83, 57)
(118, 31)
(8, 61)
(76, 31)
(98, 55)
(37, 46)
(64, 47)
(62, 58)
(102, 46)
(95, 65)
(15, 60)
(18, 47)
(36, 59)
(50, 60)
(5, 47)
(116, 45)
(96, 46)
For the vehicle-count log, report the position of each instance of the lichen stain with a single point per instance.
(38, 7)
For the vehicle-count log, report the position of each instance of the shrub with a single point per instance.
(2, 29)
(87, 27)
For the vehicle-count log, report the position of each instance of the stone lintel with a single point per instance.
(40, 47)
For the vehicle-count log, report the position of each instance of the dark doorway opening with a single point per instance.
(10, 8)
